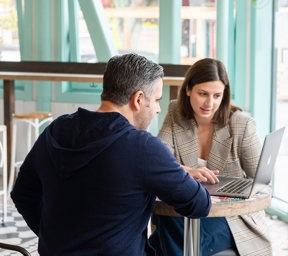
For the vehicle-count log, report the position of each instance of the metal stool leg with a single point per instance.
(3, 167)
(13, 158)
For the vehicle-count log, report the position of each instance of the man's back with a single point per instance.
(89, 182)
(99, 180)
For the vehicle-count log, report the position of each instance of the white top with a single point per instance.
(202, 162)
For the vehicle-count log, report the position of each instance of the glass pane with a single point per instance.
(281, 49)
(9, 43)
(87, 52)
(135, 27)
(198, 30)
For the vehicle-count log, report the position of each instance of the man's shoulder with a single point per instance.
(143, 135)
(146, 140)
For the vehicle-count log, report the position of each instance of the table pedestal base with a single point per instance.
(191, 237)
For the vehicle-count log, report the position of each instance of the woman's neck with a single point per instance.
(205, 135)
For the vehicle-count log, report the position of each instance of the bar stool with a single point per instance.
(3, 168)
(33, 122)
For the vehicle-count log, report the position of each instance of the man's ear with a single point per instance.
(137, 100)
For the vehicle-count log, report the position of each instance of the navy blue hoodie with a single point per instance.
(88, 185)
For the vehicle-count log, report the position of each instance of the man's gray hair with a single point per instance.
(126, 74)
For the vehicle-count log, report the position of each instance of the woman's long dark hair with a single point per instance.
(207, 70)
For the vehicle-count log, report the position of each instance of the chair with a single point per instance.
(16, 248)
(33, 121)
(3, 168)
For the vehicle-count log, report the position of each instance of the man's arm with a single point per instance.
(27, 194)
(165, 178)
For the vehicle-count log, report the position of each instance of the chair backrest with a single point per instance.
(15, 248)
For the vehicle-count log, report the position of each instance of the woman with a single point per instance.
(209, 136)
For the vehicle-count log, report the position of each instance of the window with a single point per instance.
(134, 27)
(281, 119)
(9, 43)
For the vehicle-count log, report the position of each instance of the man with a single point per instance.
(88, 184)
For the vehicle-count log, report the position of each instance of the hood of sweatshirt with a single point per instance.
(74, 140)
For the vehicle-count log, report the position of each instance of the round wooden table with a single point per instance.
(221, 207)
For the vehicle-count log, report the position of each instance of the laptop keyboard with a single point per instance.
(235, 186)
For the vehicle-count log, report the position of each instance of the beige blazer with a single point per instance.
(235, 151)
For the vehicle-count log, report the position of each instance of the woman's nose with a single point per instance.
(209, 101)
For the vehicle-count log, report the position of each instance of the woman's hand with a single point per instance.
(202, 174)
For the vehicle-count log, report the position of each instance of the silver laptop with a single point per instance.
(242, 188)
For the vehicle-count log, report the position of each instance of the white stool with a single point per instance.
(3, 168)
(34, 121)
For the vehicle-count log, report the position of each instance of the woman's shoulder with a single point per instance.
(173, 110)
(242, 122)
(173, 105)
(241, 117)
(176, 118)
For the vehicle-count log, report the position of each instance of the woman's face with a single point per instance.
(205, 99)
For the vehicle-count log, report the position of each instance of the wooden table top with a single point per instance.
(225, 206)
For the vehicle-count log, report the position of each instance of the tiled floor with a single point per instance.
(15, 231)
